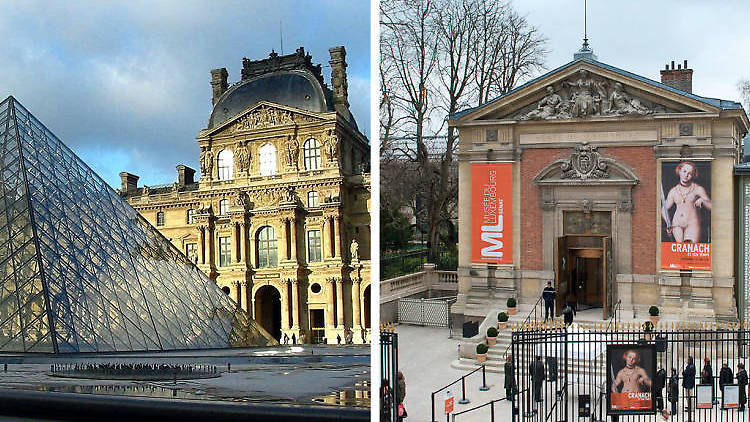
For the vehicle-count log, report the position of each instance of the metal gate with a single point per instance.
(573, 361)
(429, 312)
(388, 375)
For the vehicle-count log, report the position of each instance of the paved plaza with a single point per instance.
(425, 356)
(309, 375)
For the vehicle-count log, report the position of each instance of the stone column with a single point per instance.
(238, 293)
(295, 306)
(282, 241)
(243, 243)
(326, 244)
(237, 243)
(293, 230)
(251, 247)
(211, 246)
(339, 247)
(340, 303)
(248, 305)
(329, 305)
(202, 244)
(356, 308)
(284, 307)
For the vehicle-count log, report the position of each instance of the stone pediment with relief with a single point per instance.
(266, 116)
(585, 94)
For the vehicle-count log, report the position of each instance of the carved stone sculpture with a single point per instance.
(292, 152)
(240, 200)
(265, 117)
(354, 250)
(242, 157)
(584, 163)
(583, 101)
(331, 146)
(290, 194)
(207, 162)
(621, 104)
(548, 107)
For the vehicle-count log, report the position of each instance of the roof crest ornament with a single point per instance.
(585, 52)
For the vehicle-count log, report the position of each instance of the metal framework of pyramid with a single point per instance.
(82, 271)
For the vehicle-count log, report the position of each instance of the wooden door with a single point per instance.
(562, 271)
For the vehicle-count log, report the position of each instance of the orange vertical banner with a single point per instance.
(492, 213)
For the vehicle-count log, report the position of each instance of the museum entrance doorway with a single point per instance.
(583, 273)
(317, 326)
(268, 310)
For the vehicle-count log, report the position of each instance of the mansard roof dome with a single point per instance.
(297, 88)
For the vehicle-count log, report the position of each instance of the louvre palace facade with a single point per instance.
(279, 217)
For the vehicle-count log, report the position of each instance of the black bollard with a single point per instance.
(229, 367)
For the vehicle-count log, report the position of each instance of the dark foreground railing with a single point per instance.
(85, 407)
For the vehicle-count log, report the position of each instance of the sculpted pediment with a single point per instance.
(265, 116)
(586, 165)
(585, 90)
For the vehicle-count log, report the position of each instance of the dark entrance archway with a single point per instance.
(366, 306)
(268, 310)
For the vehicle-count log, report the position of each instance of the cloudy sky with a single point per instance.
(642, 36)
(126, 84)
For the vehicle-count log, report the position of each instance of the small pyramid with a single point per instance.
(82, 271)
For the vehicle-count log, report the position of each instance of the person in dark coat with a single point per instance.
(725, 377)
(510, 381)
(742, 382)
(536, 370)
(401, 393)
(707, 376)
(673, 390)
(659, 382)
(688, 380)
(549, 295)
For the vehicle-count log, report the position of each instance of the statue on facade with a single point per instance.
(582, 99)
(354, 250)
(291, 194)
(331, 146)
(621, 104)
(240, 200)
(242, 157)
(292, 152)
(548, 107)
(207, 162)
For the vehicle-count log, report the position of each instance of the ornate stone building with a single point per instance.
(280, 216)
(617, 187)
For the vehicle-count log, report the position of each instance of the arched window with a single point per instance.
(267, 158)
(267, 255)
(224, 207)
(312, 199)
(312, 154)
(226, 164)
(160, 218)
(191, 216)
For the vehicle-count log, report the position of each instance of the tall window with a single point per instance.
(160, 218)
(267, 254)
(226, 164)
(312, 154)
(267, 158)
(312, 199)
(191, 216)
(224, 207)
(314, 249)
(191, 251)
(225, 252)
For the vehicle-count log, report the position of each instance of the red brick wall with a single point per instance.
(639, 159)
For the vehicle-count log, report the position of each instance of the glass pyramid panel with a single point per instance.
(82, 271)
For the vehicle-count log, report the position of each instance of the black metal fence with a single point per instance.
(401, 264)
(464, 399)
(388, 375)
(573, 361)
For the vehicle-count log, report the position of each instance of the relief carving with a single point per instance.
(242, 157)
(587, 95)
(584, 163)
(331, 147)
(264, 117)
(207, 162)
(267, 197)
(292, 152)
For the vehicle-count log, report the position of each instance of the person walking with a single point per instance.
(725, 377)
(742, 382)
(510, 381)
(537, 377)
(401, 394)
(659, 383)
(674, 390)
(688, 382)
(549, 295)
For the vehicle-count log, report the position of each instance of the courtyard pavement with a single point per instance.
(424, 356)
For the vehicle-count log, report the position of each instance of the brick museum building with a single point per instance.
(280, 214)
(616, 187)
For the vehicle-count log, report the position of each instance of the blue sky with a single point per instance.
(126, 84)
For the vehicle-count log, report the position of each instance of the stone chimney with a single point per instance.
(219, 83)
(338, 77)
(129, 182)
(680, 78)
(185, 176)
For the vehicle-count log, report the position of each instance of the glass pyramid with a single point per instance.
(82, 271)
